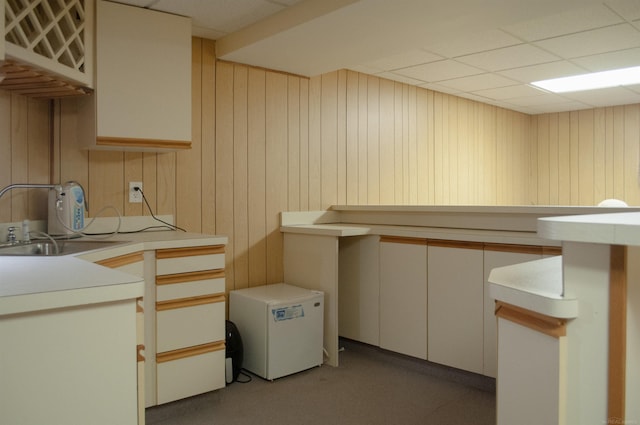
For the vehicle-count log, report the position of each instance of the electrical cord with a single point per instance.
(144, 198)
(249, 378)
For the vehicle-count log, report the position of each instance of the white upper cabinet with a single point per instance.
(143, 81)
(47, 47)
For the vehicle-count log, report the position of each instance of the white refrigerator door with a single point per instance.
(295, 335)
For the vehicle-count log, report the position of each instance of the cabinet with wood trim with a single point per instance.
(455, 304)
(403, 295)
(133, 263)
(190, 321)
(499, 255)
(142, 100)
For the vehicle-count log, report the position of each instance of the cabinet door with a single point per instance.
(359, 289)
(403, 295)
(143, 80)
(455, 304)
(499, 256)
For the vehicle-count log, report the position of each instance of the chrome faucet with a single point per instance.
(11, 235)
(27, 186)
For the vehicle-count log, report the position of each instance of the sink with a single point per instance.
(65, 247)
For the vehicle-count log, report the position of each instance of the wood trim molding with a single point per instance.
(617, 334)
(127, 143)
(519, 249)
(190, 351)
(455, 244)
(169, 279)
(189, 302)
(551, 250)
(122, 260)
(542, 323)
(404, 240)
(189, 251)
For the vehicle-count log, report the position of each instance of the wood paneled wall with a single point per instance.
(584, 157)
(24, 155)
(266, 142)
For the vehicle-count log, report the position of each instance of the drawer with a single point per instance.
(183, 260)
(187, 285)
(185, 373)
(188, 322)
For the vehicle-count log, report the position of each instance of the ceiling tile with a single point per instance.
(568, 22)
(472, 43)
(605, 97)
(508, 57)
(478, 82)
(511, 92)
(617, 37)
(543, 71)
(628, 9)
(558, 107)
(400, 78)
(613, 60)
(439, 88)
(543, 99)
(403, 60)
(221, 15)
(438, 71)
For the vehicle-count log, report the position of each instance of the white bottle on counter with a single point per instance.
(25, 231)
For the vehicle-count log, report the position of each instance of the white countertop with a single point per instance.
(29, 283)
(534, 285)
(612, 229)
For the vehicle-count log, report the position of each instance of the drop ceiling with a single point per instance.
(487, 50)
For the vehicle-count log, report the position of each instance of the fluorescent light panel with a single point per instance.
(595, 80)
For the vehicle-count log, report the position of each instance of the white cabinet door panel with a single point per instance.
(403, 298)
(455, 307)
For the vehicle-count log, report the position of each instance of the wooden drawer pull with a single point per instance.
(189, 352)
(189, 302)
(140, 352)
(455, 244)
(122, 260)
(404, 240)
(542, 323)
(140, 305)
(169, 279)
(189, 251)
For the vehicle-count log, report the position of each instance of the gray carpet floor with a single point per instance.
(371, 386)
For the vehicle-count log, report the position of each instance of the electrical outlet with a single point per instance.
(135, 196)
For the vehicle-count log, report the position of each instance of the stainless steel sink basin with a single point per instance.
(65, 247)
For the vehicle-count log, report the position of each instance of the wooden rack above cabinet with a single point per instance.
(32, 82)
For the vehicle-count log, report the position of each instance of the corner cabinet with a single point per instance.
(142, 98)
(133, 263)
(190, 321)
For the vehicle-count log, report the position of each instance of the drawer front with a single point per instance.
(191, 375)
(182, 260)
(182, 324)
(188, 285)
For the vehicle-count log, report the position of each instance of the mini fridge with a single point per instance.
(281, 327)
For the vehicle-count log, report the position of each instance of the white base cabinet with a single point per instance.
(75, 366)
(498, 258)
(403, 295)
(190, 321)
(456, 307)
(359, 289)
